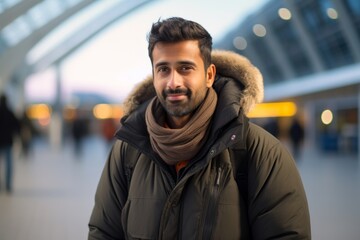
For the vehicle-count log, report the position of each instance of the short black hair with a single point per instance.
(176, 29)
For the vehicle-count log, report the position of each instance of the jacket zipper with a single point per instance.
(167, 208)
(212, 207)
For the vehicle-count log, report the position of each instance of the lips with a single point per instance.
(175, 97)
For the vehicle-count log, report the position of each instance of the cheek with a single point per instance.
(200, 86)
(159, 86)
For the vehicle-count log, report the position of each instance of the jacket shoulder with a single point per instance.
(258, 138)
(265, 151)
(126, 153)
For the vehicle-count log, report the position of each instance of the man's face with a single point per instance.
(180, 80)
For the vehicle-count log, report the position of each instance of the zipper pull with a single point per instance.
(219, 170)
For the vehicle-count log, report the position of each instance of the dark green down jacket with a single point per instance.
(140, 197)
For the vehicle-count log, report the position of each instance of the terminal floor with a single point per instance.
(54, 193)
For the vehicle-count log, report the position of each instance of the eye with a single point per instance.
(186, 68)
(162, 69)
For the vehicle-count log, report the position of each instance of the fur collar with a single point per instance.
(228, 64)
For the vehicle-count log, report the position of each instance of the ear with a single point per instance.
(210, 75)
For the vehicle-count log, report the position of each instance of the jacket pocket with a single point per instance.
(141, 218)
(231, 215)
(224, 220)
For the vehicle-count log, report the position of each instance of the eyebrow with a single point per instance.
(159, 64)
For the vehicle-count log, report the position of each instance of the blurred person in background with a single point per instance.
(79, 131)
(187, 163)
(272, 126)
(9, 128)
(297, 134)
(108, 129)
(27, 133)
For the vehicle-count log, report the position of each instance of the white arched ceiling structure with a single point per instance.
(13, 53)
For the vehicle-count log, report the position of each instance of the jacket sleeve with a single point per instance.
(278, 207)
(110, 197)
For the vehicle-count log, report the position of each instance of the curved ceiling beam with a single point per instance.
(14, 56)
(86, 33)
(15, 11)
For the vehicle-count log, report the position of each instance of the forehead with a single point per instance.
(169, 52)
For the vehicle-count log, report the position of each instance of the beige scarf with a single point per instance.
(175, 145)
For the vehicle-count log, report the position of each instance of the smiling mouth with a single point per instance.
(175, 95)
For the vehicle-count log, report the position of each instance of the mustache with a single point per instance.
(176, 91)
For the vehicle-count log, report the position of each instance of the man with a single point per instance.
(9, 127)
(172, 171)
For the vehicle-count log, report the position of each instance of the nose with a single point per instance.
(174, 80)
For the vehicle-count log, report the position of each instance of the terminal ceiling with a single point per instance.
(24, 24)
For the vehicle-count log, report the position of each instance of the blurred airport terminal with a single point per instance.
(307, 50)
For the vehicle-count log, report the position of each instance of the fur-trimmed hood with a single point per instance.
(228, 64)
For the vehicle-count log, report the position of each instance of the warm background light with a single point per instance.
(105, 111)
(259, 30)
(240, 43)
(284, 13)
(326, 117)
(39, 111)
(275, 109)
(332, 13)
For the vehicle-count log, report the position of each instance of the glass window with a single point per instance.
(37, 16)
(269, 65)
(326, 32)
(5, 4)
(353, 8)
(54, 8)
(10, 3)
(16, 31)
(315, 15)
(334, 51)
(289, 41)
(2, 8)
